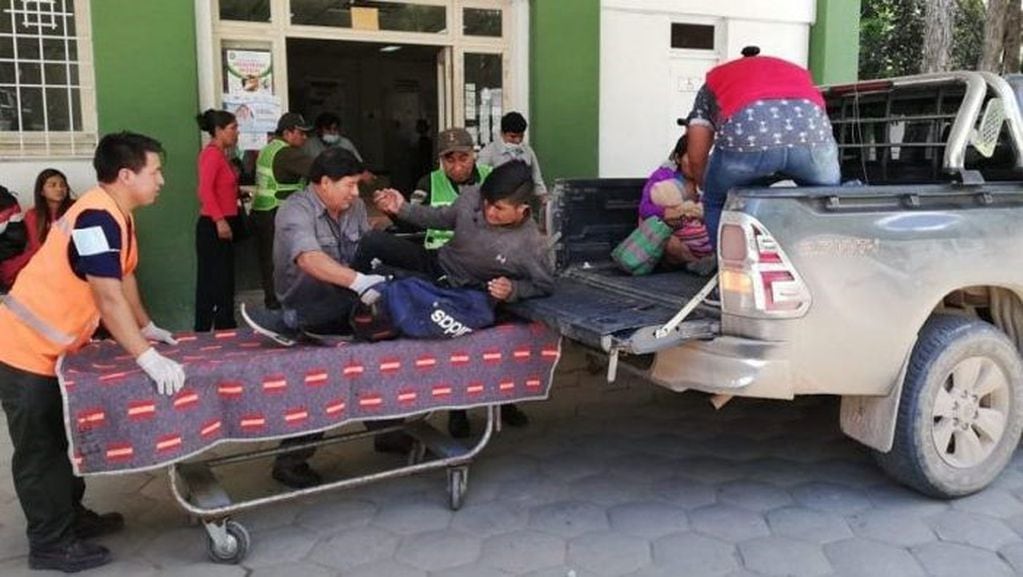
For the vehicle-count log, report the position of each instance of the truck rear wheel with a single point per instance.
(961, 410)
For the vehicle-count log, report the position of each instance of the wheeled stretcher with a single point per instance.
(241, 388)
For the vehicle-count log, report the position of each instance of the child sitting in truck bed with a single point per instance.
(670, 194)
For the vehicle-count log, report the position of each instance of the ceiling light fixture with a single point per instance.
(391, 48)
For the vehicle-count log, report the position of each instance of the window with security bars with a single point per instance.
(45, 98)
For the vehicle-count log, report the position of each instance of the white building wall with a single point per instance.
(645, 85)
(19, 176)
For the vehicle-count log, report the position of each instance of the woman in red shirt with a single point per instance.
(52, 199)
(214, 239)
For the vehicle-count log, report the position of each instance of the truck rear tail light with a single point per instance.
(756, 277)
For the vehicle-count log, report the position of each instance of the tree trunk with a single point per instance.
(937, 53)
(994, 36)
(1010, 62)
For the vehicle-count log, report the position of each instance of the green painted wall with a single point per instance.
(146, 82)
(564, 85)
(835, 41)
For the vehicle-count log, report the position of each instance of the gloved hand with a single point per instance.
(363, 286)
(169, 375)
(155, 333)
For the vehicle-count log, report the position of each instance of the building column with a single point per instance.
(835, 42)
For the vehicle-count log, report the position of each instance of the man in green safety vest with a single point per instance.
(458, 173)
(281, 169)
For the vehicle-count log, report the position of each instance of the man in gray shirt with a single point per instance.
(316, 236)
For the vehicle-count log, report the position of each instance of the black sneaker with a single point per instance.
(270, 324)
(89, 524)
(70, 557)
(300, 476)
(458, 424)
(513, 416)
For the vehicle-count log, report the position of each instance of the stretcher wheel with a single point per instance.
(458, 482)
(232, 548)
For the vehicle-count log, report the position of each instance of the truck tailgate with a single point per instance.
(608, 310)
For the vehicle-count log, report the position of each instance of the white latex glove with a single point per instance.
(363, 286)
(169, 375)
(155, 333)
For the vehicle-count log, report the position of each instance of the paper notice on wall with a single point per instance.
(496, 111)
(470, 101)
(257, 115)
(248, 72)
(485, 100)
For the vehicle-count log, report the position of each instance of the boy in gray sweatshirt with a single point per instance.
(496, 247)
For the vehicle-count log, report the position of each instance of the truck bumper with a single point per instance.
(729, 365)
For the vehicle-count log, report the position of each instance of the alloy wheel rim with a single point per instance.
(971, 409)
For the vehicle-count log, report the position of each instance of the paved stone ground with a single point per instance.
(623, 479)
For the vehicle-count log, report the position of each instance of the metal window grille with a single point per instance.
(45, 79)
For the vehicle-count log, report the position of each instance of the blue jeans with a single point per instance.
(808, 166)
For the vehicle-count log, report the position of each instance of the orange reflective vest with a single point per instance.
(49, 310)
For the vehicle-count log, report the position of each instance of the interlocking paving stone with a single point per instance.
(211, 570)
(649, 519)
(972, 529)
(409, 516)
(606, 490)
(473, 570)
(439, 549)
(992, 502)
(568, 518)
(355, 547)
(304, 569)
(955, 560)
(281, 545)
(336, 514)
(783, 556)
(488, 519)
(891, 527)
(386, 568)
(728, 523)
(685, 492)
(1013, 555)
(692, 554)
(634, 467)
(808, 524)
(608, 553)
(753, 495)
(523, 551)
(862, 558)
(831, 497)
(642, 467)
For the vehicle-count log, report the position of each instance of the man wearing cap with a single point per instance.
(281, 169)
(458, 173)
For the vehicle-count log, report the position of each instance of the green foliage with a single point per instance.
(892, 31)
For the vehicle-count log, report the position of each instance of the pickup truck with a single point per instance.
(898, 290)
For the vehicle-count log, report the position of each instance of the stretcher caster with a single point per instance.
(458, 482)
(226, 542)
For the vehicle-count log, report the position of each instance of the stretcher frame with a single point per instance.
(198, 491)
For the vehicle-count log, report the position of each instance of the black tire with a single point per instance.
(946, 343)
(458, 482)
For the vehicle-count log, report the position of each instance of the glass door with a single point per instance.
(482, 94)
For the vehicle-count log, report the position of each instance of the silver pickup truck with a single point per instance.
(899, 290)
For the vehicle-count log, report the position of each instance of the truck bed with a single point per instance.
(594, 302)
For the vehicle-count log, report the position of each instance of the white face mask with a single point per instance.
(331, 138)
(514, 149)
